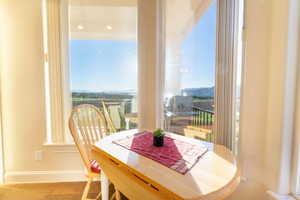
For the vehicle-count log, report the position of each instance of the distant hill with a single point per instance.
(129, 92)
(208, 92)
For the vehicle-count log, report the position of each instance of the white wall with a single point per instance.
(255, 88)
(268, 96)
(254, 99)
(22, 76)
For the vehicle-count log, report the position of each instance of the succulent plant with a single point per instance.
(158, 132)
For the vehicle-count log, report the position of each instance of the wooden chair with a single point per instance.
(87, 126)
(109, 121)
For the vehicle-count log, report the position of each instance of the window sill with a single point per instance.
(60, 147)
(46, 144)
(275, 196)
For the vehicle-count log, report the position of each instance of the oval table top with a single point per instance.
(215, 176)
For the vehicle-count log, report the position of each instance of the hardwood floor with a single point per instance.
(73, 191)
(47, 191)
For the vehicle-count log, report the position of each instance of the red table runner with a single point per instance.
(178, 155)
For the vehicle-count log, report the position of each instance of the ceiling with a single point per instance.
(103, 22)
(117, 19)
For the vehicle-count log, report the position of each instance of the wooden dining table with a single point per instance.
(215, 175)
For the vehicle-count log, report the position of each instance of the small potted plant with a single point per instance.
(158, 137)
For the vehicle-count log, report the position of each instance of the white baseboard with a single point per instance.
(44, 176)
(275, 196)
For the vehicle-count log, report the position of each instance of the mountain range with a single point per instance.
(207, 92)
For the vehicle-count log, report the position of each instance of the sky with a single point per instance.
(111, 65)
(198, 52)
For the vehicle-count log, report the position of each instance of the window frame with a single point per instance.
(53, 73)
(67, 93)
(295, 165)
(229, 30)
(151, 46)
(57, 71)
(293, 55)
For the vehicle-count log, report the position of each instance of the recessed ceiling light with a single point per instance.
(108, 27)
(80, 27)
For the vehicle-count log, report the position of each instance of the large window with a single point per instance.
(185, 80)
(92, 51)
(103, 59)
(190, 67)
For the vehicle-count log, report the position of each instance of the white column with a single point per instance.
(147, 65)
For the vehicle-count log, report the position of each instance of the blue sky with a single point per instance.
(198, 52)
(111, 65)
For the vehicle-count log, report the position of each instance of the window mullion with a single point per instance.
(224, 126)
(160, 71)
(147, 65)
(55, 71)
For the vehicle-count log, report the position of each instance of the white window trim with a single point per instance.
(295, 174)
(292, 91)
(67, 93)
(55, 132)
(2, 170)
(294, 35)
(160, 62)
(57, 73)
(226, 64)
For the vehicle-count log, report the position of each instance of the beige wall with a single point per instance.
(255, 88)
(22, 77)
(276, 90)
(268, 96)
(24, 110)
(254, 99)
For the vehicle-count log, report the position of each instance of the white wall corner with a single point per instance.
(275, 196)
(44, 176)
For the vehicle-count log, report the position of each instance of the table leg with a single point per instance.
(127, 123)
(104, 186)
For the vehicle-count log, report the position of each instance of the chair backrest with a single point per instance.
(110, 124)
(87, 126)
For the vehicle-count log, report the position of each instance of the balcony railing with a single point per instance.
(202, 118)
(201, 125)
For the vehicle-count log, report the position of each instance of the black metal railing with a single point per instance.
(202, 118)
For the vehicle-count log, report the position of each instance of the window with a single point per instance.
(190, 68)
(93, 56)
(103, 59)
(92, 50)
(203, 69)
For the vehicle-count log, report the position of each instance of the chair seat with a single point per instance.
(95, 167)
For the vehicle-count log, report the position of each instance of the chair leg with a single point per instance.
(118, 195)
(86, 189)
(113, 196)
(98, 196)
